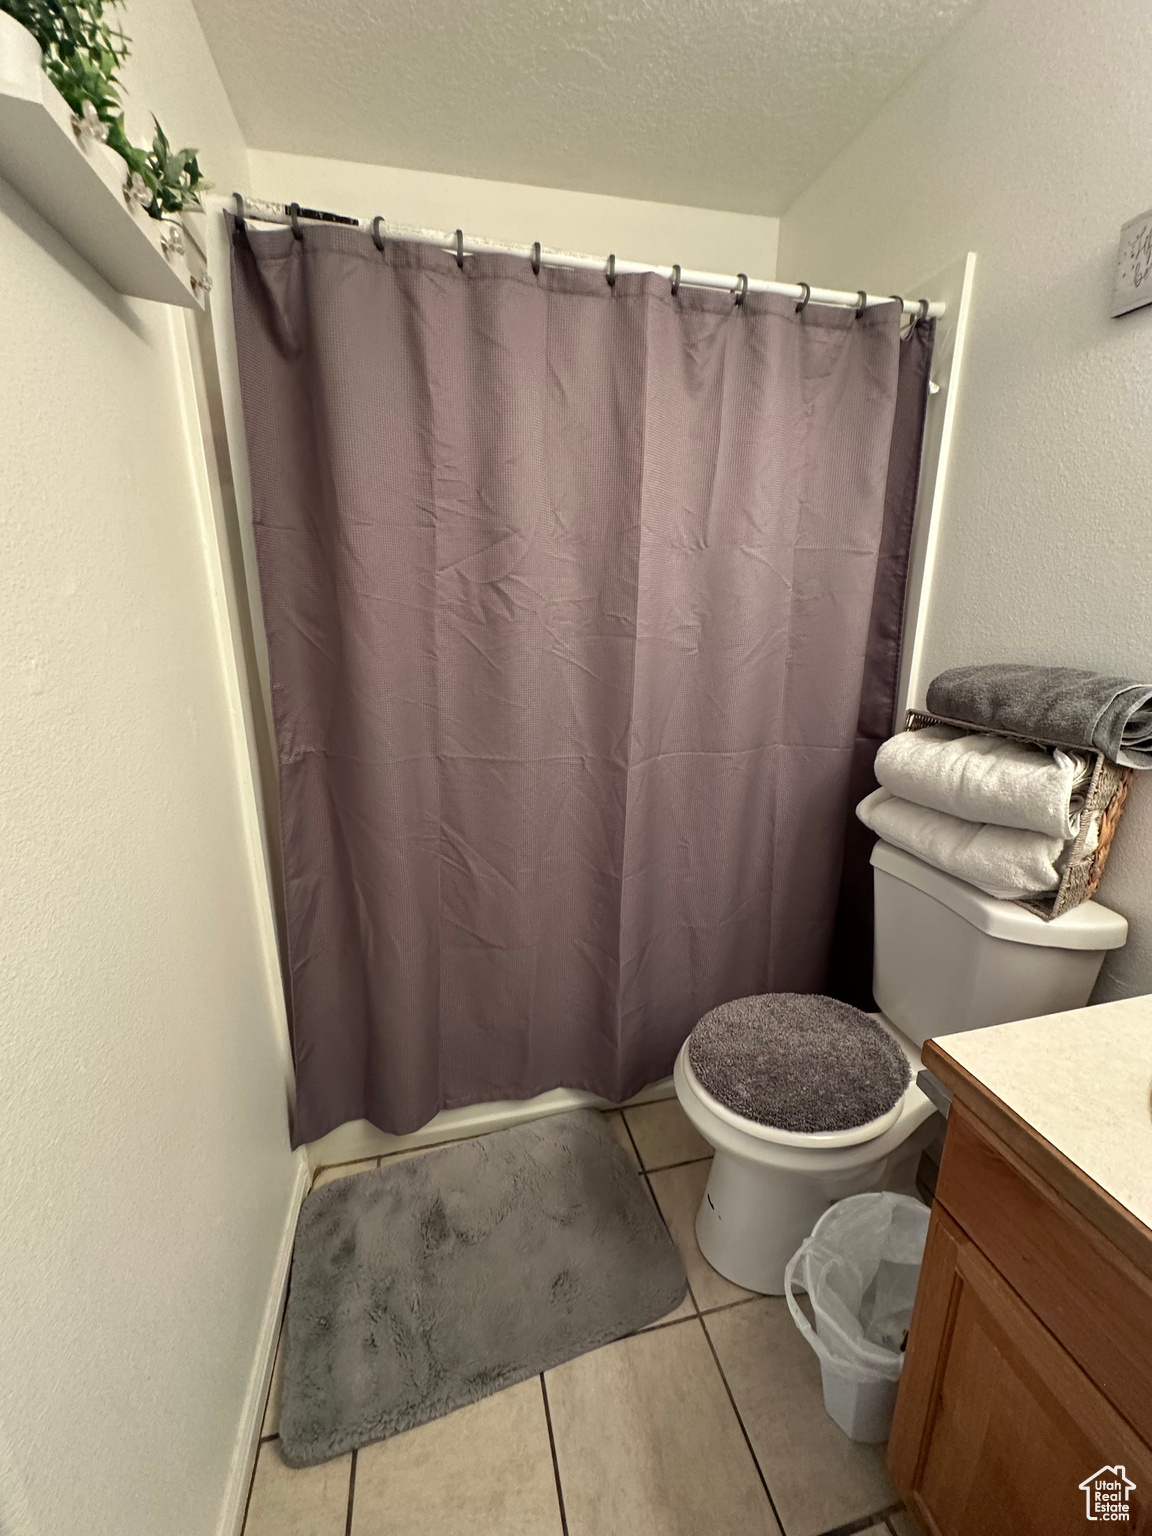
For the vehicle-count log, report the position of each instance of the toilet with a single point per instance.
(947, 958)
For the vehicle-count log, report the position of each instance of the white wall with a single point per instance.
(1026, 139)
(145, 1176)
(660, 233)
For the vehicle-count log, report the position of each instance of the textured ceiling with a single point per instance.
(734, 104)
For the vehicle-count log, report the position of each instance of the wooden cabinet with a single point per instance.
(1029, 1364)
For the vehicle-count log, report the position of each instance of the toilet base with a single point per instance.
(752, 1219)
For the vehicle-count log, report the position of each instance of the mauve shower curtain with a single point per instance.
(567, 590)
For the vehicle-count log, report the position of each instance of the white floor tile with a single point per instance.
(818, 1477)
(664, 1134)
(285, 1502)
(648, 1445)
(485, 1470)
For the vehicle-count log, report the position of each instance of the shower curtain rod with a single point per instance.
(460, 246)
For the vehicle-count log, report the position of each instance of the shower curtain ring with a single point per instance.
(675, 279)
(378, 232)
(611, 272)
(294, 210)
(923, 315)
(241, 221)
(460, 248)
(741, 287)
(861, 302)
(536, 257)
(803, 304)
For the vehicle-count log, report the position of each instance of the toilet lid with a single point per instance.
(798, 1062)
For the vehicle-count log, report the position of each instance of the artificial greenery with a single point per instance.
(82, 52)
(176, 180)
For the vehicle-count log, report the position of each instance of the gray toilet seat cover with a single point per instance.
(798, 1062)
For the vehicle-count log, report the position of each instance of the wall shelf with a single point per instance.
(77, 185)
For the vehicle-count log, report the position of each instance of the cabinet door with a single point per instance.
(1078, 1284)
(996, 1426)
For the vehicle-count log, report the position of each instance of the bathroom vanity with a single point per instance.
(1026, 1400)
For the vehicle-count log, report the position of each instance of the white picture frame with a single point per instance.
(1132, 286)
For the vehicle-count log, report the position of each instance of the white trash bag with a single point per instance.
(860, 1267)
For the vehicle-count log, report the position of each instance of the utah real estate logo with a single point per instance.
(1106, 1494)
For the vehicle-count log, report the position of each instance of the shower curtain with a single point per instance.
(568, 592)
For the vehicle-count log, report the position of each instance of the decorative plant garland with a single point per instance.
(81, 53)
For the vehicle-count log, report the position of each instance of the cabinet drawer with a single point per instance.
(1092, 1298)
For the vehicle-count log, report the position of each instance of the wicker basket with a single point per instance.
(1103, 803)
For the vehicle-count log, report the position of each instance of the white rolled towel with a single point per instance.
(987, 779)
(1008, 862)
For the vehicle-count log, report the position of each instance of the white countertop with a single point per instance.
(1083, 1080)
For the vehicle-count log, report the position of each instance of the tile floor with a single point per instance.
(708, 1423)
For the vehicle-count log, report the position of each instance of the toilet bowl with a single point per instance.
(947, 958)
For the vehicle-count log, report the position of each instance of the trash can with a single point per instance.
(860, 1267)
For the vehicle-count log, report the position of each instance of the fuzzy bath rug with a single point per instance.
(429, 1283)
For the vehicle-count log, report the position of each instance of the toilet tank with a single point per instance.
(948, 958)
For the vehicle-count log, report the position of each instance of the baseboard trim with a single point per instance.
(358, 1139)
(252, 1419)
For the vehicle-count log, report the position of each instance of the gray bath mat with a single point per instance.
(429, 1283)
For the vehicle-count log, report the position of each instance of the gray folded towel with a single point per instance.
(1061, 704)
